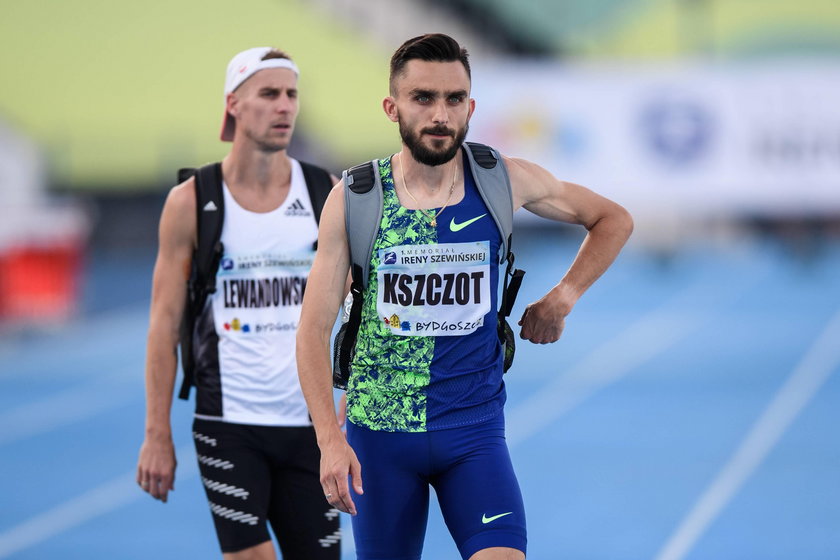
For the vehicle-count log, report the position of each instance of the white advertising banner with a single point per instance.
(758, 139)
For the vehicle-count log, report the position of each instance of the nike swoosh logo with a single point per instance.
(458, 227)
(484, 518)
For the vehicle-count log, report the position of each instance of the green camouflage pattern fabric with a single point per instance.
(390, 373)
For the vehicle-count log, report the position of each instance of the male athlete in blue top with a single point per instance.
(425, 396)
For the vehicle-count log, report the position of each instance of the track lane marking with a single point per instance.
(814, 369)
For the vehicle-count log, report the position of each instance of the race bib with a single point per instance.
(434, 290)
(260, 293)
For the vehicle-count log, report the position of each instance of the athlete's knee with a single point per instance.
(498, 553)
(262, 551)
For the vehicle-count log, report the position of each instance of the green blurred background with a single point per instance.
(119, 93)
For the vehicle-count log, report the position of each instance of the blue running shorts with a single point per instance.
(470, 469)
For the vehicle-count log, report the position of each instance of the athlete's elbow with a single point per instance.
(623, 223)
(615, 222)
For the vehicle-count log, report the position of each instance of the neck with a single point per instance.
(247, 167)
(425, 179)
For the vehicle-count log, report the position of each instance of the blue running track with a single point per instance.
(690, 411)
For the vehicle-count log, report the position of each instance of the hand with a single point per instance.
(156, 468)
(542, 322)
(337, 461)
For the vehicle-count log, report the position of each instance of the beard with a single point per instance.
(431, 156)
(266, 144)
(268, 147)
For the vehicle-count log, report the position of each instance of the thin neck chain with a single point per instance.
(432, 216)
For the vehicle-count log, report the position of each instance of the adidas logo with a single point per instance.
(210, 207)
(297, 209)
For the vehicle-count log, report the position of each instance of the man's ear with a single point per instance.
(231, 104)
(389, 105)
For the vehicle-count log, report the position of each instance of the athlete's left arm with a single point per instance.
(608, 224)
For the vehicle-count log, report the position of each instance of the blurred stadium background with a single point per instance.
(715, 122)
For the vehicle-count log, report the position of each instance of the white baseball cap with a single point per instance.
(240, 68)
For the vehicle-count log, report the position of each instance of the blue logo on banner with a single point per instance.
(227, 264)
(679, 132)
(390, 258)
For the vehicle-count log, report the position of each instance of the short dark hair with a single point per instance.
(275, 53)
(431, 47)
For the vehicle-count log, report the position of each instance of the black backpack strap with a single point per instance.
(210, 214)
(185, 173)
(210, 206)
(318, 183)
(346, 347)
(513, 281)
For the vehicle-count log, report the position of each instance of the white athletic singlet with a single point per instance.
(256, 309)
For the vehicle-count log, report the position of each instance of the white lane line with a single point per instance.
(820, 361)
(103, 499)
(648, 337)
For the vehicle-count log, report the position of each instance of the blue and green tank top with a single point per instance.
(427, 353)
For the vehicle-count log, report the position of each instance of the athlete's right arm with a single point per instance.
(177, 235)
(325, 290)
